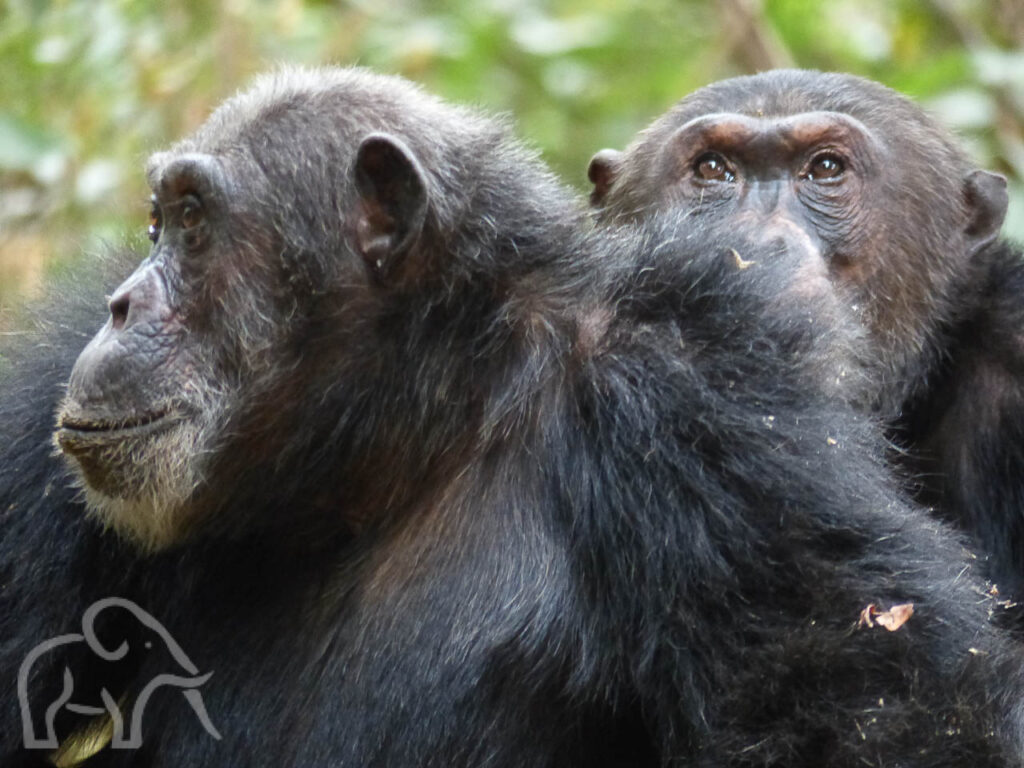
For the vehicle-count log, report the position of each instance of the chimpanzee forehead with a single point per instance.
(781, 93)
(786, 92)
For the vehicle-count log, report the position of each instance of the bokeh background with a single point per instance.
(89, 87)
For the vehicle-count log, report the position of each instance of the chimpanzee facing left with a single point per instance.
(427, 473)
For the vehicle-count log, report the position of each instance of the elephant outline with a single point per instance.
(120, 740)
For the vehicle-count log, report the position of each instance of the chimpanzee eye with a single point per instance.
(191, 212)
(827, 165)
(155, 221)
(711, 166)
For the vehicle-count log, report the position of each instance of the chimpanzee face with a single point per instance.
(892, 208)
(246, 242)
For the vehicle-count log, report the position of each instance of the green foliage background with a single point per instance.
(89, 87)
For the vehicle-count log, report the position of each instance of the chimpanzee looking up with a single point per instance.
(428, 473)
(908, 229)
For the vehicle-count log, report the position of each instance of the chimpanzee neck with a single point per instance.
(432, 382)
(479, 365)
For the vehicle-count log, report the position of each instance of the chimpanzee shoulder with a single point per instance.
(964, 433)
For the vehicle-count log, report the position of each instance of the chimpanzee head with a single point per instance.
(293, 238)
(895, 210)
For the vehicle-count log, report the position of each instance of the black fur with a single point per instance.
(945, 304)
(53, 562)
(965, 431)
(531, 496)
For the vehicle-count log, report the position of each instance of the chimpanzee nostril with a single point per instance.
(138, 300)
(119, 305)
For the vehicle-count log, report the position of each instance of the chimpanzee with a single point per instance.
(427, 472)
(908, 229)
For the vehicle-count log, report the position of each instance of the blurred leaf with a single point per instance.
(23, 146)
(964, 108)
(90, 87)
(1001, 68)
(1014, 225)
(545, 36)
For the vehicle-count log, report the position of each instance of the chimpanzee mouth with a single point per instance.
(81, 432)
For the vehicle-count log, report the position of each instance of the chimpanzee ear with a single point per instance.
(392, 201)
(602, 172)
(986, 197)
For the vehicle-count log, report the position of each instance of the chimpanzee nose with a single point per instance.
(127, 349)
(795, 238)
(781, 227)
(139, 299)
(765, 196)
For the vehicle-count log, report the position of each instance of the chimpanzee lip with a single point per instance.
(82, 431)
(85, 424)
